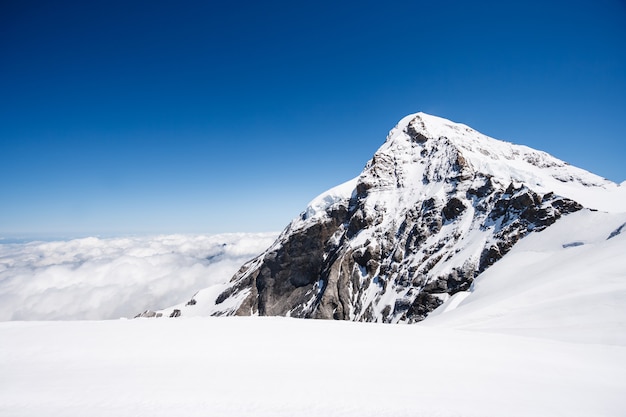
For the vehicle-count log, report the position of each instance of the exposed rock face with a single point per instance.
(617, 231)
(149, 314)
(437, 205)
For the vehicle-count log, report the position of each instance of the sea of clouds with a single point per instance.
(94, 278)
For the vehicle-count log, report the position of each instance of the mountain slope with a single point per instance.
(566, 283)
(436, 206)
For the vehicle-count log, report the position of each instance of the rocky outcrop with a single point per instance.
(149, 314)
(285, 275)
(321, 272)
(617, 231)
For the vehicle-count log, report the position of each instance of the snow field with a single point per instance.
(283, 367)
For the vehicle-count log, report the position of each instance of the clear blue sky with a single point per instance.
(158, 117)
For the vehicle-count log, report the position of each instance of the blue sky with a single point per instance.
(158, 117)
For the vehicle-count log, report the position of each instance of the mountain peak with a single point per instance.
(436, 205)
(426, 125)
(453, 151)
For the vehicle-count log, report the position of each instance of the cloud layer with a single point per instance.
(96, 278)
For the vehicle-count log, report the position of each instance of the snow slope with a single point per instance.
(567, 282)
(259, 367)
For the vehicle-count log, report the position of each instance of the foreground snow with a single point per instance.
(284, 367)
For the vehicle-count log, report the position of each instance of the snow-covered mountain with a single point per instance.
(437, 205)
(539, 332)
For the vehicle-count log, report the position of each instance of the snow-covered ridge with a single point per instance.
(326, 200)
(506, 161)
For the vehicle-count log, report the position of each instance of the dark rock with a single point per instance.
(357, 223)
(431, 216)
(488, 257)
(565, 205)
(572, 244)
(146, 314)
(423, 304)
(216, 257)
(453, 209)
(386, 311)
(481, 191)
(287, 275)
(523, 201)
(616, 231)
(415, 136)
(459, 280)
(362, 257)
(401, 306)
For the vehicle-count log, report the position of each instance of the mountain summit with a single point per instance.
(437, 205)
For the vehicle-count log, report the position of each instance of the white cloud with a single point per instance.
(96, 278)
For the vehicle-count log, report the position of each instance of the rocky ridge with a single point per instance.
(437, 204)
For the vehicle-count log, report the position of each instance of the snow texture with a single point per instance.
(257, 366)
